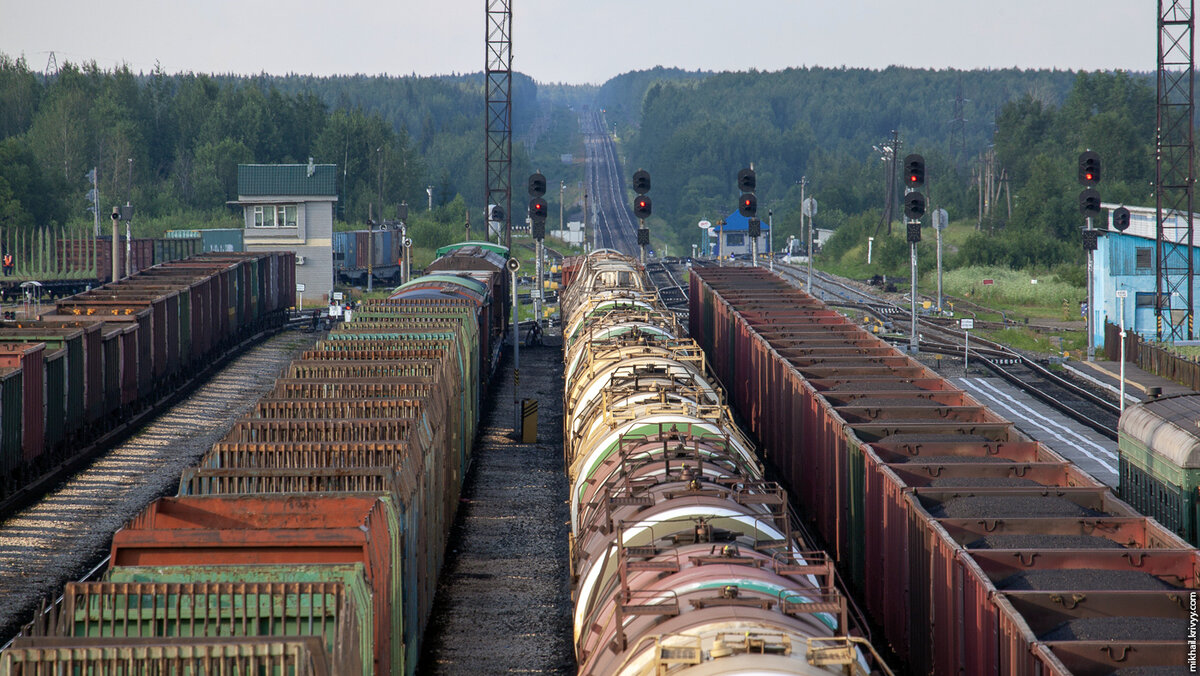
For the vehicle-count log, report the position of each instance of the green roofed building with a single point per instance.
(289, 207)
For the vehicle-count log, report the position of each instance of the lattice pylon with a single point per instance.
(1174, 174)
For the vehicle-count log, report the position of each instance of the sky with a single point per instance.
(577, 42)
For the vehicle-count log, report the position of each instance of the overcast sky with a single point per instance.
(580, 41)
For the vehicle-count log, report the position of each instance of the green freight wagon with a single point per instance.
(1159, 443)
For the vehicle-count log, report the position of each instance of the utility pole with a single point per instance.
(406, 242)
(370, 244)
(588, 241)
(770, 231)
(562, 186)
(129, 222)
(513, 266)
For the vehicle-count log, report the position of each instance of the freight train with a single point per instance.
(978, 550)
(1159, 452)
(100, 358)
(683, 559)
(357, 251)
(309, 539)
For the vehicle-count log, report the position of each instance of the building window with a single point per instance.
(735, 240)
(1145, 257)
(270, 216)
(264, 216)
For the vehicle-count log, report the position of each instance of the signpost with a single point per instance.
(809, 208)
(704, 246)
(1122, 294)
(940, 220)
(300, 293)
(966, 325)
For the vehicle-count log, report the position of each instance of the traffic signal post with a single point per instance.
(642, 208)
(1089, 205)
(537, 219)
(748, 207)
(914, 209)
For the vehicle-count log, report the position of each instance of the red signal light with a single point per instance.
(1089, 176)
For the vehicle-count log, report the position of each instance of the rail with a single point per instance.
(1095, 412)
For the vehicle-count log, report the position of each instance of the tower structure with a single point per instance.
(498, 123)
(1174, 177)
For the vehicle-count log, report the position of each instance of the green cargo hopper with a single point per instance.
(330, 610)
(352, 577)
(299, 656)
(1159, 445)
(422, 535)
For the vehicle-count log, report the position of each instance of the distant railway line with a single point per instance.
(939, 336)
(615, 227)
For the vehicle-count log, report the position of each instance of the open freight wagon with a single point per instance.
(957, 530)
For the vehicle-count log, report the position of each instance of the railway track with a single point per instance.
(63, 536)
(670, 290)
(937, 335)
(615, 227)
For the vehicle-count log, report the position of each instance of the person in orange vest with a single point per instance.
(9, 264)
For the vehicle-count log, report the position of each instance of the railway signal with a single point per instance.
(914, 171)
(538, 210)
(1089, 168)
(1089, 202)
(748, 205)
(914, 206)
(1121, 219)
(746, 180)
(641, 181)
(642, 207)
(537, 185)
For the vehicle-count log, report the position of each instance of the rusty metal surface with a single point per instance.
(901, 471)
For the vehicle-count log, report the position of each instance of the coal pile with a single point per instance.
(917, 437)
(1151, 671)
(1024, 541)
(982, 482)
(1082, 579)
(875, 386)
(949, 459)
(1009, 506)
(885, 402)
(1119, 629)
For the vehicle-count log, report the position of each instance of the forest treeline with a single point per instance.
(186, 134)
(695, 131)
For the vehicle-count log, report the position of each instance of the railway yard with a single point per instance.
(704, 470)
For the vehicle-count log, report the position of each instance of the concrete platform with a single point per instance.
(1107, 374)
(1094, 453)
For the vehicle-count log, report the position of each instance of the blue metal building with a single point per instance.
(736, 240)
(1125, 261)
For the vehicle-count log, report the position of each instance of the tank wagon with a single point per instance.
(976, 549)
(1159, 444)
(309, 539)
(683, 559)
(96, 359)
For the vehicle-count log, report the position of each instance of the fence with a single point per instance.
(1150, 357)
